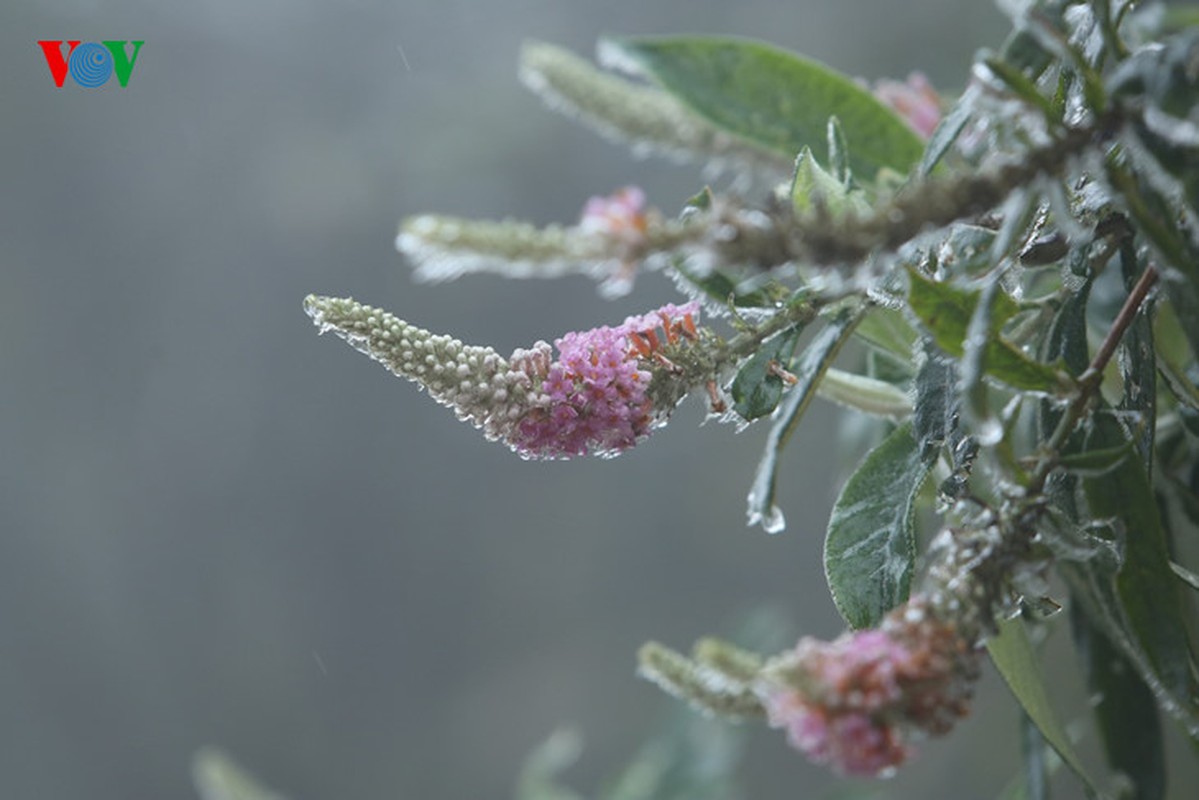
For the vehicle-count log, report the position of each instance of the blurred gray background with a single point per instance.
(218, 528)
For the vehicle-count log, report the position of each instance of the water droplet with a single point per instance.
(772, 520)
(989, 431)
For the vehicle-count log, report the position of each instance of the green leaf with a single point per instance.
(812, 366)
(721, 287)
(1067, 339)
(946, 312)
(942, 306)
(813, 187)
(887, 329)
(870, 548)
(1138, 367)
(1124, 710)
(838, 153)
(773, 98)
(937, 402)
(1147, 589)
(1022, 86)
(946, 133)
(757, 390)
(1174, 356)
(969, 249)
(865, 394)
(976, 348)
(1095, 462)
(1013, 656)
(647, 118)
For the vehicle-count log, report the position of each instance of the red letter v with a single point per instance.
(55, 59)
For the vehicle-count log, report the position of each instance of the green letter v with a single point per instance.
(120, 65)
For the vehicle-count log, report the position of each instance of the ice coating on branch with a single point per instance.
(592, 400)
(859, 701)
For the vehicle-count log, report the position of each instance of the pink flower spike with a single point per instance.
(594, 394)
(857, 701)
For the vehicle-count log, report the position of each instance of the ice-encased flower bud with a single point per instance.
(480, 385)
(591, 400)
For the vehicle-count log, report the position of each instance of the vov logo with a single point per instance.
(91, 64)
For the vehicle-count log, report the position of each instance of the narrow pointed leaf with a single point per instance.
(812, 365)
(946, 133)
(870, 548)
(1013, 656)
(1146, 586)
(1125, 711)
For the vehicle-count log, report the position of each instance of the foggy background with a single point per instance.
(218, 528)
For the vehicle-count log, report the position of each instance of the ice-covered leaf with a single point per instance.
(887, 329)
(1124, 710)
(1147, 589)
(946, 133)
(774, 98)
(1173, 353)
(866, 394)
(946, 312)
(758, 386)
(838, 153)
(721, 287)
(976, 351)
(1013, 656)
(1138, 363)
(650, 120)
(1021, 85)
(217, 777)
(811, 367)
(815, 189)
(1095, 462)
(870, 548)
(936, 416)
(1067, 339)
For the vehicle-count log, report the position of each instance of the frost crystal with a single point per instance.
(591, 400)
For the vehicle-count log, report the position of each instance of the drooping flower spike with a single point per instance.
(594, 399)
(859, 702)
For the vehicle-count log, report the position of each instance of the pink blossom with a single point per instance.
(595, 392)
(915, 100)
(620, 215)
(856, 702)
(621, 218)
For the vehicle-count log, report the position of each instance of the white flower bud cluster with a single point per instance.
(482, 387)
